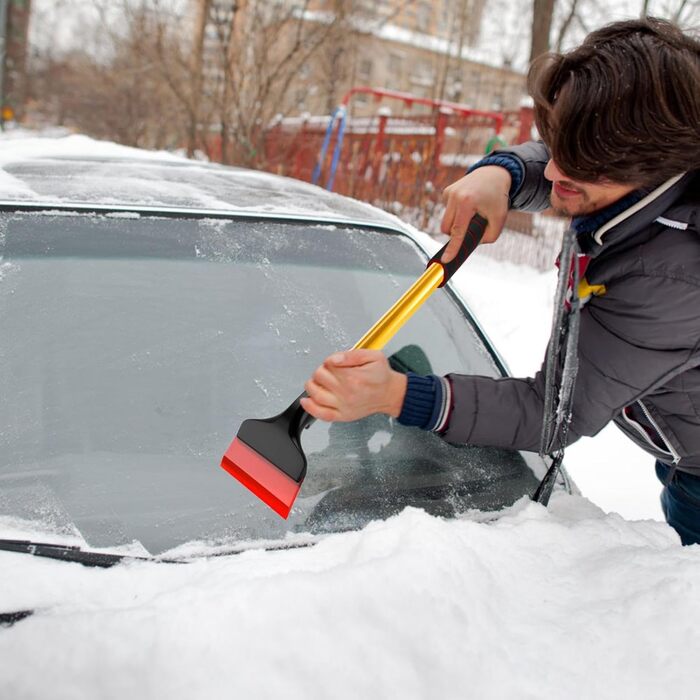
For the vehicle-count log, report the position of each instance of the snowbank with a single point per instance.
(558, 603)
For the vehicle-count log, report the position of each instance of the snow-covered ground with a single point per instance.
(563, 602)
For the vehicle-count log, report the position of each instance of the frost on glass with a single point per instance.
(134, 348)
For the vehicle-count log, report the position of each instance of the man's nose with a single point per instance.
(552, 172)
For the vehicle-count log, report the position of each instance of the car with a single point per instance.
(150, 303)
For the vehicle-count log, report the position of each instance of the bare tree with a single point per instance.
(203, 12)
(566, 24)
(111, 88)
(542, 11)
(338, 58)
(460, 25)
(686, 12)
(258, 53)
(175, 52)
(580, 17)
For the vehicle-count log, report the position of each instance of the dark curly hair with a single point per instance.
(624, 106)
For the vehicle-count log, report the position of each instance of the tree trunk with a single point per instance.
(197, 60)
(14, 93)
(440, 92)
(542, 11)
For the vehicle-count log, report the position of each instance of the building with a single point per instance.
(417, 46)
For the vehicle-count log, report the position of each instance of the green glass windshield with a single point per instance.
(133, 348)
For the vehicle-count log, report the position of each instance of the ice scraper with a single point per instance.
(266, 455)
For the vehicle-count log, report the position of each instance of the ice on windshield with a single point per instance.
(134, 348)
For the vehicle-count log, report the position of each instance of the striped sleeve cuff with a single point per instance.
(511, 163)
(427, 404)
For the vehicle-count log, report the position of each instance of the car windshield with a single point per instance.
(133, 348)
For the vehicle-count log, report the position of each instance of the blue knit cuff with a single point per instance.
(422, 404)
(511, 163)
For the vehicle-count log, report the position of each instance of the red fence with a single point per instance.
(400, 158)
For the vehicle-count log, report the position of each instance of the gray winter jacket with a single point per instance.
(639, 342)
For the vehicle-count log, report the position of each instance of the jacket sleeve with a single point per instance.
(533, 193)
(633, 340)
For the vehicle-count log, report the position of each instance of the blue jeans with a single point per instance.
(680, 501)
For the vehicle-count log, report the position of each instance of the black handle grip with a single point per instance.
(472, 238)
(297, 417)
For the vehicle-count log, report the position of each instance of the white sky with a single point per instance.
(506, 24)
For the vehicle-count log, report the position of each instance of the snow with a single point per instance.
(18, 144)
(559, 602)
(563, 602)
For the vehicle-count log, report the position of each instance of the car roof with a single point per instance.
(88, 174)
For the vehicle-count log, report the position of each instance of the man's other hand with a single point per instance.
(485, 190)
(353, 384)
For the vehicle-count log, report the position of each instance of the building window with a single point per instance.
(424, 17)
(395, 62)
(422, 73)
(364, 71)
(455, 89)
(366, 7)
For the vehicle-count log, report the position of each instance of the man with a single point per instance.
(620, 121)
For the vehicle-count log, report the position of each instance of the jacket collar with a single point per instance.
(628, 215)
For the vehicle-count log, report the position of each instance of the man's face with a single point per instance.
(572, 198)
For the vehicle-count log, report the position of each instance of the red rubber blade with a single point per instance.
(262, 477)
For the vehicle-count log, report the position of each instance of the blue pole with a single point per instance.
(338, 146)
(322, 155)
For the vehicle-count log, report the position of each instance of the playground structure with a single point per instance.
(399, 159)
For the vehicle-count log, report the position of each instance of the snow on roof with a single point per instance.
(401, 35)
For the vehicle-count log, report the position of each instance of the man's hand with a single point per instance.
(353, 384)
(485, 191)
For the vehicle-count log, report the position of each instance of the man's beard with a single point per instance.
(583, 207)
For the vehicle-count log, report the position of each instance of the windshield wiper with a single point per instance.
(105, 560)
(88, 558)
(54, 551)
(72, 553)
(63, 553)
(8, 619)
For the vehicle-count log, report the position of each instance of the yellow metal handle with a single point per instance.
(389, 324)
